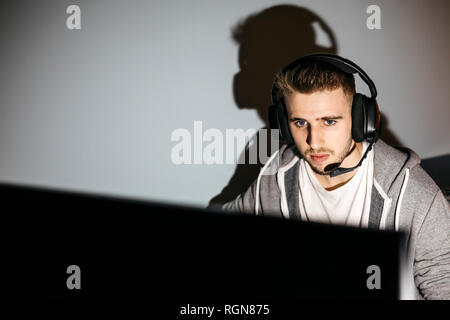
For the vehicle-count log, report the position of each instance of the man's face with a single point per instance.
(321, 123)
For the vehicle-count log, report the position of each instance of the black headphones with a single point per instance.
(366, 119)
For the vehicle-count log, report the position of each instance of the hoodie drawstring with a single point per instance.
(400, 199)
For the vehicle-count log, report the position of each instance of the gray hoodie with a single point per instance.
(404, 197)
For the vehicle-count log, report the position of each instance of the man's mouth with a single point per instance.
(320, 157)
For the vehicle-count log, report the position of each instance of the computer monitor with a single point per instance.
(121, 248)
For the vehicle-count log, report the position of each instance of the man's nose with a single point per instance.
(314, 137)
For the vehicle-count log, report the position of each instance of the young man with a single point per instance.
(388, 190)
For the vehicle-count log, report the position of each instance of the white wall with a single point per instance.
(93, 109)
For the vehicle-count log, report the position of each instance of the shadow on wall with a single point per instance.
(268, 41)
(386, 133)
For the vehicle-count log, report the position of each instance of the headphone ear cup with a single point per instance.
(373, 126)
(278, 120)
(358, 118)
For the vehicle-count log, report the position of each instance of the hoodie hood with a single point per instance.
(394, 161)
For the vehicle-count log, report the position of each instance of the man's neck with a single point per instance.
(351, 160)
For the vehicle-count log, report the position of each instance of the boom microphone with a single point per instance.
(338, 171)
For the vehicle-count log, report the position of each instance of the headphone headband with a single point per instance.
(342, 64)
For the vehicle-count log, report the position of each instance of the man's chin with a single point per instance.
(319, 169)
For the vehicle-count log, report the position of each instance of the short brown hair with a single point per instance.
(312, 76)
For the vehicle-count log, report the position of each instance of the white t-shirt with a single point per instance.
(346, 205)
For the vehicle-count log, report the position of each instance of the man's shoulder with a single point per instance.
(394, 162)
(391, 155)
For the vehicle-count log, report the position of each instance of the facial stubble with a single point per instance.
(342, 155)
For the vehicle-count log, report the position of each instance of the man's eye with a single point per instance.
(300, 123)
(330, 122)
